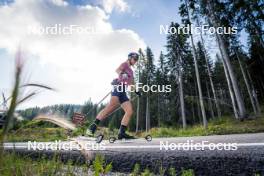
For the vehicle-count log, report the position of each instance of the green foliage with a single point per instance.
(29, 113)
(20, 124)
(146, 172)
(37, 134)
(136, 170)
(188, 172)
(78, 132)
(111, 125)
(172, 171)
(12, 164)
(100, 167)
(161, 170)
(224, 125)
(16, 98)
(66, 110)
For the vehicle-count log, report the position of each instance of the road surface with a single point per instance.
(238, 154)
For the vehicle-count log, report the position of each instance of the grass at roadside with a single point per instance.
(12, 164)
(37, 134)
(225, 125)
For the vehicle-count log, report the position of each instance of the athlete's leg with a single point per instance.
(114, 102)
(127, 107)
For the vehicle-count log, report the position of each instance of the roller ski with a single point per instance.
(113, 139)
(123, 136)
(91, 133)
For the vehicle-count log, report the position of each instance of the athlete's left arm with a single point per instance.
(133, 85)
(133, 88)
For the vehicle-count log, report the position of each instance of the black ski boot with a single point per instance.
(92, 128)
(122, 133)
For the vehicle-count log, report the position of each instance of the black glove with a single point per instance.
(124, 75)
(115, 82)
(138, 93)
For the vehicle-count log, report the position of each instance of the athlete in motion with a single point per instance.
(119, 96)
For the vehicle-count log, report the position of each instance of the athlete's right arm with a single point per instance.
(120, 72)
(120, 69)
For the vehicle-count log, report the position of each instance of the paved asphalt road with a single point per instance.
(243, 155)
(174, 143)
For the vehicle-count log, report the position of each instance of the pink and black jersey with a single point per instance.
(125, 68)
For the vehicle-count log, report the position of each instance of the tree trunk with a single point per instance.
(210, 76)
(229, 86)
(147, 105)
(261, 82)
(147, 114)
(138, 111)
(138, 100)
(181, 96)
(209, 101)
(247, 84)
(193, 109)
(223, 49)
(260, 85)
(197, 73)
(163, 107)
(159, 107)
(255, 96)
(198, 104)
(221, 95)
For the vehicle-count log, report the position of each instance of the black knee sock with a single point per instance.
(97, 121)
(123, 129)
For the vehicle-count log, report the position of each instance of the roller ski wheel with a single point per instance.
(99, 138)
(148, 138)
(112, 139)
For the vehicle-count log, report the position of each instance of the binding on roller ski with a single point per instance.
(113, 138)
(118, 99)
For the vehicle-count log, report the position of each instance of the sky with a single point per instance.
(79, 66)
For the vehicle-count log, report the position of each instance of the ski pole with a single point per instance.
(99, 103)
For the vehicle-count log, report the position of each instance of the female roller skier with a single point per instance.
(119, 96)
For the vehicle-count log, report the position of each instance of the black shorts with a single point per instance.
(121, 94)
